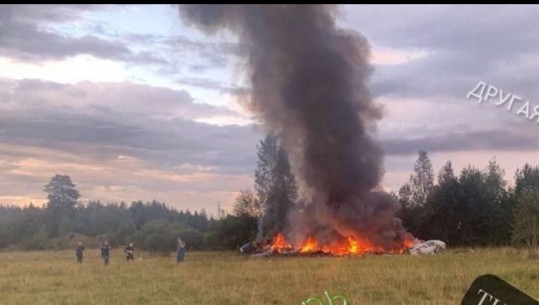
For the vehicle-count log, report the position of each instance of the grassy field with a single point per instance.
(213, 278)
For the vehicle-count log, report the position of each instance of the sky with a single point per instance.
(133, 104)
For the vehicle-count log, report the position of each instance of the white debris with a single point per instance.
(428, 247)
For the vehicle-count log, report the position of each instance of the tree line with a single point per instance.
(152, 226)
(476, 207)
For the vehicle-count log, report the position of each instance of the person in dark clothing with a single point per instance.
(129, 252)
(79, 252)
(105, 249)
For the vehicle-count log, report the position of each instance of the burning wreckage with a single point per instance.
(348, 247)
(309, 87)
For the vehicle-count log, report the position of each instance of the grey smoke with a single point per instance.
(308, 81)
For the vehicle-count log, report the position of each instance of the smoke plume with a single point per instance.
(309, 88)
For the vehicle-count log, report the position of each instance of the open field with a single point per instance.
(213, 278)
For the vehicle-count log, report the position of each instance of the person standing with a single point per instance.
(180, 251)
(79, 252)
(105, 252)
(129, 252)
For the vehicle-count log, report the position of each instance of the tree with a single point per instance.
(411, 215)
(275, 186)
(232, 232)
(157, 236)
(472, 210)
(265, 171)
(247, 204)
(526, 220)
(221, 213)
(124, 234)
(62, 194)
(422, 181)
(62, 202)
(446, 174)
(404, 196)
(66, 226)
(6, 235)
(526, 178)
(439, 215)
(39, 241)
(160, 236)
(501, 207)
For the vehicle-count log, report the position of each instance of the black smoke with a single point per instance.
(309, 87)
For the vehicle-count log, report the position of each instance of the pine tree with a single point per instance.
(62, 202)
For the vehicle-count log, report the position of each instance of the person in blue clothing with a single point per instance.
(105, 252)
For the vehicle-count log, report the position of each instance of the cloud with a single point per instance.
(123, 141)
(115, 180)
(493, 140)
(120, 141)
(112, 99)
(211, 84)
(425, 98)
(24, 34)
(29, 34)
(106, 120)
(465, 45)
(204, 55)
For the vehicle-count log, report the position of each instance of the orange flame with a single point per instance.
(353, 248)
(349, 246)
(280, 244)
(309, 245)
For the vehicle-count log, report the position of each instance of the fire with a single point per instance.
(348, 246)
(353, 248)
(409, 243)
(309, 245)
(280, 244)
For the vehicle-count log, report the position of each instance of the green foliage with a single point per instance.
(247, 204)
(499, 197)
(422, 181)
(526, 178)
(39, 241)
(62, 202)
(66, 226)
(62, 194)
(526, 220)
(232, 232)
(125, 232)
(275, 185)
(475, 208)
(159, 235)
(25, 228)
(6, 235)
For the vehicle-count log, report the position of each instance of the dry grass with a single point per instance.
(213, 278)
